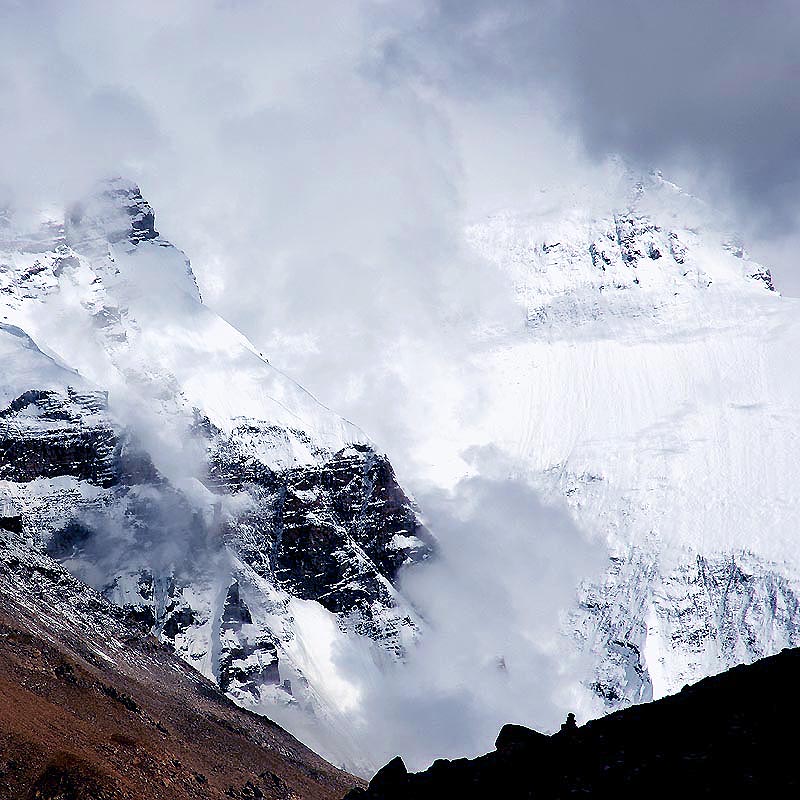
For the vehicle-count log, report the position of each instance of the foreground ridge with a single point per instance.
(92, 708)
(726, 736)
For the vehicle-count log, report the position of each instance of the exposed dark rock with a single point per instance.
(569, 727)
(45, 434)
(235, 613)
(764, 275)
(332, 532)
(177, 620)
(629, 229)
(249, 663)
(11, 522)
(121, 698)
(132, 216)
(599, 256)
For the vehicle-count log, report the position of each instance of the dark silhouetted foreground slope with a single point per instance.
(731, 735)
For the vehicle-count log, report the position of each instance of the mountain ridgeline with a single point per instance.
(731, 735)
(147, 447)
(649, 390)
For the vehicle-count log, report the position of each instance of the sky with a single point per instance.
(318, 162)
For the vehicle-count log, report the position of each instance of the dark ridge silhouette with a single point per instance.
(732, 735)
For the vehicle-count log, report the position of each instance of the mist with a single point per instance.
(496, 603)
(318, 163)
(495, 608)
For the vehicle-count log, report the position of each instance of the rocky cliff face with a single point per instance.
(45, 434)
(182, 476)
(90, 707)
(653, 390)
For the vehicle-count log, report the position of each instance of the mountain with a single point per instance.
(149, 448)
(723, 737)
(655, 390)
(651, 389)
(90, 707)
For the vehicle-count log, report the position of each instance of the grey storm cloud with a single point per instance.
(714, 84)
(715, 81)
(708, 92)
(318, 161)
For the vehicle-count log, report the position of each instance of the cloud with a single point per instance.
(318, 161)
(708, 87)
(707, 92)
(712, 80)
(60, 127)
(648, 81)
(494, 602)
(334, 147)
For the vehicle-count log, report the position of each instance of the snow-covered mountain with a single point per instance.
(656, 387)
(651, 386)
(146, 445)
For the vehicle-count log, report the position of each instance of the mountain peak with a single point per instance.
(117, 208)
(650, 252)
(182, 475)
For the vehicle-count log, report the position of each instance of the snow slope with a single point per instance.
(121, 305)
(652, 386)
(656, 386)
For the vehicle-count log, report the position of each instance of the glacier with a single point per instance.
(655, 387)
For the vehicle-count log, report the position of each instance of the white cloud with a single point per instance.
(494, 602)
